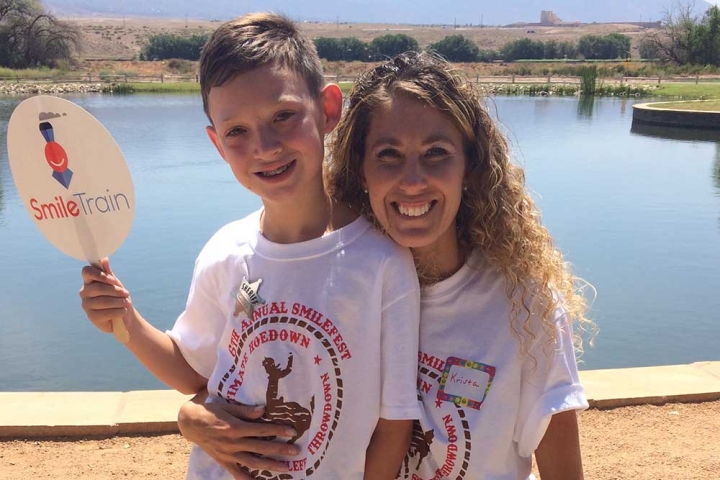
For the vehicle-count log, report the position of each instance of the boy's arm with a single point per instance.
(558, 455)
(388, 446)
(104, 298)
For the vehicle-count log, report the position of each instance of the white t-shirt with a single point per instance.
(332, 349)
(485, 409)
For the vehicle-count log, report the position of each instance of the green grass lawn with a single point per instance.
(345, 86)
(185, 87)
(704, 106)
(170, 87)
(691, 91)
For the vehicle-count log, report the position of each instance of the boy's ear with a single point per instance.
(331, 97)
(213, 136)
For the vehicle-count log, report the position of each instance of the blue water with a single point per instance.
(637, 213)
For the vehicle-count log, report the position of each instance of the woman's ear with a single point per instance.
(331, 97)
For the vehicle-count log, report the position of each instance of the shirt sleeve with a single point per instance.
(550, 384)
(399, 340)
(198, 329)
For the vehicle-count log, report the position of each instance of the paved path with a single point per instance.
(33, 414)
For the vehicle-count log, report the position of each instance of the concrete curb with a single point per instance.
(104, 414)
(655, 114)
(84, 414)
(697, 382)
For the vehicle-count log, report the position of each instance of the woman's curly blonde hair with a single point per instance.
(496, 217)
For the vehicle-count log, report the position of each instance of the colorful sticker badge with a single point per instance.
(465, 382)
(72, 179)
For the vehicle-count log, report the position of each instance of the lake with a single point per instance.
(636, 211)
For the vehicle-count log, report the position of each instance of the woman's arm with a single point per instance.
(388, 446)
(227, 433)
(558, 455)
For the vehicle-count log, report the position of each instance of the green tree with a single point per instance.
(707, 39)
(567, 50)
(687, 39)
(387, 46)
(31, 37)
(161, 47)
(617, 46)
(346, 49)
(648, 50)
(551, 49)
(488, 55)
(593, 47)
(456, 48)
(523, 49)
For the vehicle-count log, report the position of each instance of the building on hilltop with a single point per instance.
(548, 17)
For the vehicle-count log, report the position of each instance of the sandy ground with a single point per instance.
(670, 442)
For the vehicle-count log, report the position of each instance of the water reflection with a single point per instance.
(716, 168)
(2, 201)
(685, 134)
(586, 106)
(5, 111)
(676, 133)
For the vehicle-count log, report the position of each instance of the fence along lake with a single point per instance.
(636, 210)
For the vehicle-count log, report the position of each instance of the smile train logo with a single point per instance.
(56, 156)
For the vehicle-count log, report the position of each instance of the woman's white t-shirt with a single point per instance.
(485, 407)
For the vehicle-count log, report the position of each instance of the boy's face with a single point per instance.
(270, 130)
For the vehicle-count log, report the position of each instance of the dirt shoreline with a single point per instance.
(672, 441)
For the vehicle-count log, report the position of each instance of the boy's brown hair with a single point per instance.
(255, 40)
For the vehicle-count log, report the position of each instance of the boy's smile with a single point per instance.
(270, 130)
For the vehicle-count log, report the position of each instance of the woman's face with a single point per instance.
(413, 168)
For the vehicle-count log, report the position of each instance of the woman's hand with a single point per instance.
(229, 435)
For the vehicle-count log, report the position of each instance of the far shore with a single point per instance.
(534, 86)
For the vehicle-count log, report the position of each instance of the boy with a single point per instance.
(301, 307)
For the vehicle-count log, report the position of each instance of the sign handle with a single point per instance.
(120, 331)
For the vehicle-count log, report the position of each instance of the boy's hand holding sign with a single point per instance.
(73, 181)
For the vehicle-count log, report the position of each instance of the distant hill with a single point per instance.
(382, 11)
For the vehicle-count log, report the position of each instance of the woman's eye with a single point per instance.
(388, 154)
(436, 152)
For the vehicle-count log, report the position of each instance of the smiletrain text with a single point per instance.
(60, 208)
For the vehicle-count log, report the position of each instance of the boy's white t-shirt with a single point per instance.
(485, 409)
(331, 346)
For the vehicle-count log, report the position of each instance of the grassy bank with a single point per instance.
(702, 106)
(708, 91)
(147, 87)
(679, 91)
(174, 87)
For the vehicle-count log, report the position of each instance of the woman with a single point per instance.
(418, 153)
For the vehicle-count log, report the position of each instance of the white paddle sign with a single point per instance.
(72, 179)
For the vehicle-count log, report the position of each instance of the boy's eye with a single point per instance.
(282, 116)
(235, 131)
